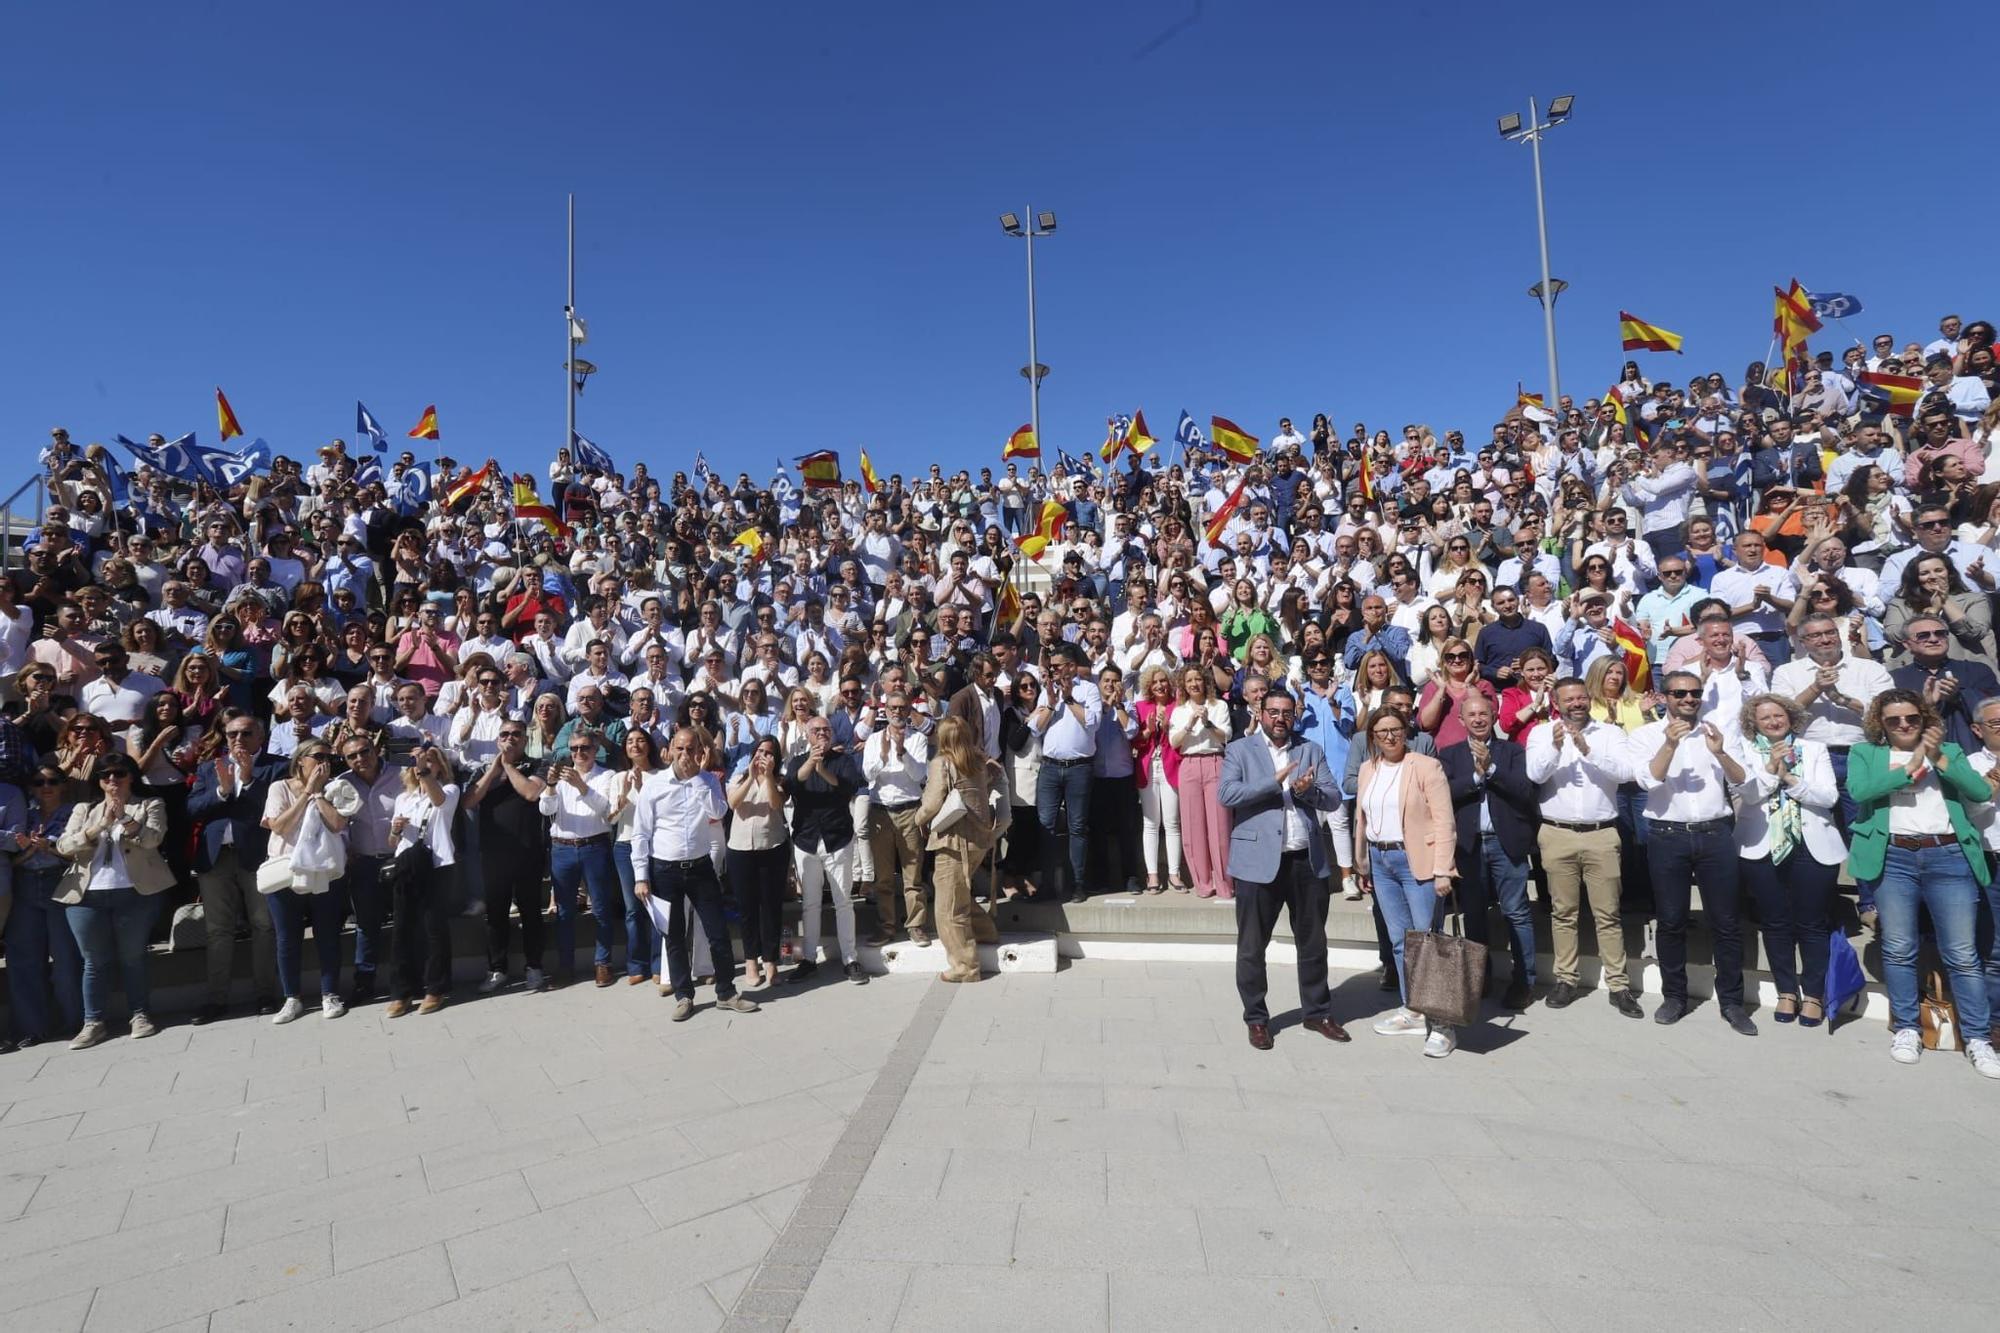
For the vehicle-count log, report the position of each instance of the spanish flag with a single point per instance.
(1522, 398)
(427, 425)
(1896, 395)
(870, 483)
(1009, 609)
(1618, 407)
(751, 540)
(1367, 473)
(1114, 440)
(1638, 664)
(821, 470)
(1232, 439)
(528, 507)
(1793, 319)
(1640, 336)
(468, 487)
(225, 417)
(1213, 533)
(1049, 524)
(1022, 444)
(1138, 439)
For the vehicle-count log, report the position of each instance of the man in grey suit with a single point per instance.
(1275, 786)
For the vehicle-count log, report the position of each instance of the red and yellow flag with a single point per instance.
(1638, 663)
(528, 507)
(1522, 398)
(1010, 605)
(1793, 319)
(1232, 439)
(468, 486)
(1367, 473)
(1138, 439)
(869, 481)
(1898, 394)
(1640, 336)
(225, 416)
(1213, 532)
(427, 425)
(821, 470)
(1617, 404)
(751, 540)
(1114, 441)
(1049, 524)
(1022, 444)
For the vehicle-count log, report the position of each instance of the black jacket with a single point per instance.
(1510, 797)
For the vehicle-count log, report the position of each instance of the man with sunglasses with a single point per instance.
(228, 801)
(1687, 767)
(1935, 536)
(1954, 686)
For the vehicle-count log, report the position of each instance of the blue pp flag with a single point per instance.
(1834, 305)
(115, 478)
(1844, 978)
(413, 491)
(368, 471)
(253, 458)
(369, 428)
(589, 457)
(1188, 435)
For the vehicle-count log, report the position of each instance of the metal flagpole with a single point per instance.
(569, 336)
(1034, 365)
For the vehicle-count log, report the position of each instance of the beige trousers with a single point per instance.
(1578, 864)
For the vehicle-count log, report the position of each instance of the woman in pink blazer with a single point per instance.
(1159, 768)
(1405, 843)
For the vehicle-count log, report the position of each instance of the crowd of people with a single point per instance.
(1706, 635)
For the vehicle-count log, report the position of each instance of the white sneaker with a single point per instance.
(1906, 1047)
(1983, 1058)
(1402, 1023)
(494, 981)
(1352, 895)
(331, 1006)
(535, 980)
(289, 1011)
(1441, 1042)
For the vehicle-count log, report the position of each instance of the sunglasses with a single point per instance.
(1684, 694)
(115, 775)
(1901, 719)
(1458, 657)
(512, 735)
(48, 782)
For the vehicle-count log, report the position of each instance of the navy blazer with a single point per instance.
(243, 813)
(1511, 799)
(1249, 789)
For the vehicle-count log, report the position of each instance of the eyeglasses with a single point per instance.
(1673, 573)
(113, 775)
(1901, 719)
(1387, 733)
(1931, 523)
(240, 733)
(1928, 634)
(512, 735)
(1458, 657)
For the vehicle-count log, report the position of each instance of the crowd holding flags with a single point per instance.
(1639, 336)
(1638, 663)
(1049, 524)
(1896, 395)
(1792, 322)
(1224, 512)
(751, 540)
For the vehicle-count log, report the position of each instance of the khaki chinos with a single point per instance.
(1579, 863)
(896, 843)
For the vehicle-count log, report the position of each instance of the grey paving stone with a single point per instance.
(573, 1232)
(961, 1127)
(618, 1274)
(225, 1185)
(909, 1170)
(916, 1231)
(80, 1262)
(963, 1296)
(577, 1175)
(731, 1178)
(1295, 1242)
(202, 1285)
(1146, 1302)
(349, 1302)
(1590, 1192)
(1361, 1305)
(1107, 1238)
(361, 1194)
(763, 1122)
(61, 1314)
(430, 1218)
(1367, 1186)
(546, 1300)
(852, 1297)
(1014, 1175)
(1179, 1177)
(1072, 1129)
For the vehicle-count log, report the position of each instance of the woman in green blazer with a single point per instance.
(1912, 839)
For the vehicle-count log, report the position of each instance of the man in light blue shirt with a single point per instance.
(1665, 612)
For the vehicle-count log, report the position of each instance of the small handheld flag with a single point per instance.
(467, 487)
(1188, 435)
(1233, 440)
(821, 470)
(528, 507)
(225, 417)
(1895, 395)
(366, 426)
(1022, 444)
(1212, 534)
(589, 457)
(1049, 523)
(427, 425)
(1638, 664)
(1640, 336)
(413, 490)
(1115, 430)
(1137, 438)
(751, 540)
(870, 483)
(1834, 305)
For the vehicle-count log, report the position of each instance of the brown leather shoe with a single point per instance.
(637, 981)
(396, 1009)
(1327, 1028)
(431, 1004)
(1260, 1036)
(603, 976)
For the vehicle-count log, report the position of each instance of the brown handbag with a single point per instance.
(1446, 973)
(1937, 1015)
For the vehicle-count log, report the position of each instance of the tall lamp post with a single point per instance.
(1531, 134)
(1038, 225)
(576, 369)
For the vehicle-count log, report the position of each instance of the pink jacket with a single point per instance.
(1142, 752)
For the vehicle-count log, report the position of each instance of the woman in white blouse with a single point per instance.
(760, 856)
(577, 800)
(422, 853)
(1791, 851)
(1198, 731)
(111, 893)
(307, 895)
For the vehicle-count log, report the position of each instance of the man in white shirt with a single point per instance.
(672, 832)
(578, 799)
(1835, 691)
(1686, 767)
(119, 695)
(486, 638)
(1287, 440)
(597, 672)
(896, 762)
(1759, 596)
(1066, 719)
(1726, 673)
(545, 645)
(1579, 765)
(1662, 496)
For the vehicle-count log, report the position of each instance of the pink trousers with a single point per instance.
(1205, 826)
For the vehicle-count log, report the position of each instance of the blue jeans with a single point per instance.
(591, 866)
(1940, 879)
(1407, 904)
(38, 935)
(1060, 788)
(639, 942)
(361, 889)
(290, 913)
(1988, 937)
(1504, 880)
(111, 926)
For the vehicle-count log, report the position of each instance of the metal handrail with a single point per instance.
(35, 484)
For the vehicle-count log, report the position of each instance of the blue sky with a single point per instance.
(788, 214)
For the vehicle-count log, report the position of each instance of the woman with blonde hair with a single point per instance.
(1159, 772)
(1455, 678)
(958, 767)
(422, 853)
(1199, 730)
(802, 705)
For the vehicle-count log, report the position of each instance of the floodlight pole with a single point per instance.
(1034, 365)
(1532, 132)
(569, 334)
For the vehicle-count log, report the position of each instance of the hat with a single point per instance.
(1593, 595)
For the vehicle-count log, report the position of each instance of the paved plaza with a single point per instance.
(1099, 1148)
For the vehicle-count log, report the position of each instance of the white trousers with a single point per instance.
(817, 871)
(1160, 816)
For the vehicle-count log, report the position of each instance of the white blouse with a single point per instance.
(1918, 808)
(1206, 742)
(1382, 802)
